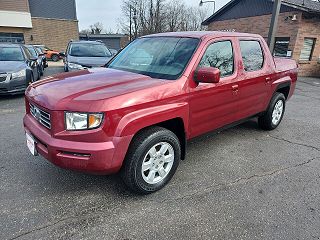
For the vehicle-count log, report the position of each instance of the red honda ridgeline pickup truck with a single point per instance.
(136, 114)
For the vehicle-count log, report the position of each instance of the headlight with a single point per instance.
(75, 66)
(82, 121)
(21, 73)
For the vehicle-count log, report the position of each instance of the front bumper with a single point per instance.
(97, 158)
(13, 86)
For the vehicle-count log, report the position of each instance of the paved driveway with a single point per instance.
(243, 183)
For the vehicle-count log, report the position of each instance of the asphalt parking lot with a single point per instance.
(242, 183)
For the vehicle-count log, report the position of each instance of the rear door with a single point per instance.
(254, 82)
(212, 105)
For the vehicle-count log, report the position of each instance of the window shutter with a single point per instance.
(306, 52)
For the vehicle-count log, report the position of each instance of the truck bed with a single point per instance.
(284, 64)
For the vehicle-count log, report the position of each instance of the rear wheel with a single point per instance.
(152, 160)
(55, 57)
(274, 114)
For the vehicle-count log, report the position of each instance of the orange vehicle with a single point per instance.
(49, 53)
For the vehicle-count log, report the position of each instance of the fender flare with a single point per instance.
(133, 122)
(283, 85)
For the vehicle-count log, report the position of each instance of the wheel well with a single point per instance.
(177, 127)
(284, 90)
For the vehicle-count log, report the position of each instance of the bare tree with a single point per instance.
(96, 28)
(153, 16)
(174, 15)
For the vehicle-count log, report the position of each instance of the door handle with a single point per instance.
(235, 87)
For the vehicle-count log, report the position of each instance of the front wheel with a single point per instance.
(38, 73)
(274, 114)
(65, 68)
(152, 160)
(41, 70)
(30, 80)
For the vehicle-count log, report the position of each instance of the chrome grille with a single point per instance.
(41, 116)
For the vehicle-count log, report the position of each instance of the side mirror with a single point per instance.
(62, 54)
(207, 75)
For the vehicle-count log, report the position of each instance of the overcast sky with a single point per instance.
(109, 11)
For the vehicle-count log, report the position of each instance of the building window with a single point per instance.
(252, 55)
(219, 55)
(307, 50)
(281, 47)
(11, 37)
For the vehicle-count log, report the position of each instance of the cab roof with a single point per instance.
(87, 42)
(202, 34)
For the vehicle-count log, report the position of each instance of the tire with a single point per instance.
(55, 57)
(41, 70)
(39, 73)
(31, 80)
(272, 117)
(65, 67)
(145, 144)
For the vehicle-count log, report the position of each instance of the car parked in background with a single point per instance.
(85, 54)
(113, 51)
(35, 54)
(18, 68)
(43, 56)
(49, 53)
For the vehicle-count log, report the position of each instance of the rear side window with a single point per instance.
(252, 55)
(219, 55)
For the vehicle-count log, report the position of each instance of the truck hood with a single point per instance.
(85, 88)
(89, 61)
(11, 66)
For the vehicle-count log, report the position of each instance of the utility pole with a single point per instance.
(274, 24)
(130, 24)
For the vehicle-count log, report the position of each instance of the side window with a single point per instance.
(219, 55)
(307, 50)
(252, 55)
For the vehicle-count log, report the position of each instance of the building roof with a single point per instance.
(307, 5)
(96, 36)
(55, 9)
(312, 6)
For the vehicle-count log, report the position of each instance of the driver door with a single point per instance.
(213, 105)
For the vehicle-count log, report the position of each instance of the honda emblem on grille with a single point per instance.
(37, 113)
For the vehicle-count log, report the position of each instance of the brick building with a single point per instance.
(52, 23)
(114, 41)
(298, 33)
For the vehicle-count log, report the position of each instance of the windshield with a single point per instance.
(11, 54)
(161, 57)
(32, 51)
(89, 50)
